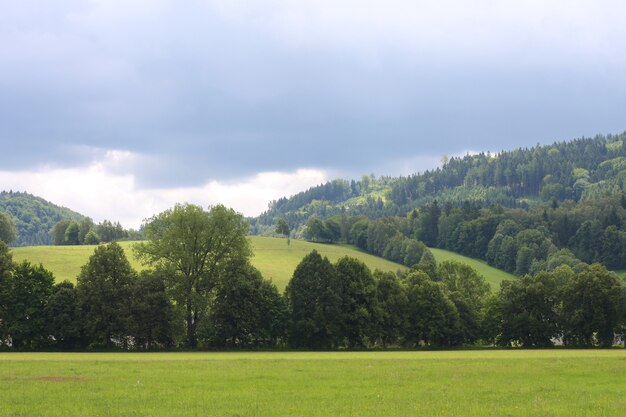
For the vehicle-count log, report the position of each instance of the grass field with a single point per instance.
(492, 275)
(277, 261)
(272, 257)
(65, 261)
(463, 383)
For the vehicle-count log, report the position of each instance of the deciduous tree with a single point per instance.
(104, 295)
(593, 307)
(467, 290)
(359, 305)
(72, 234)
(24, 294)
(196, 248)
(152, 313)
(393, 307)
(433, 318)
(64, 321)
(244, 310)
(315, 303)
(8, 232)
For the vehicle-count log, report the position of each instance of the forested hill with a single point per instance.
(34, 217)
(579, 169)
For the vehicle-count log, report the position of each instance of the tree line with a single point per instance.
(86, 232)
(519, 241)
(200, 291)
(528, 241)
(383, 237)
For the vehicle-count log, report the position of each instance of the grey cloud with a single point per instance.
(203, 96)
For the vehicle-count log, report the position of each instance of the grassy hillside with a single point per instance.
(277, 261)
(457, 383)
(492, 275)
(272, 257)
(65, 261)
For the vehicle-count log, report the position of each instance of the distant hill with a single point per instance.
(34, 217)
(572, 170)
(272, 257)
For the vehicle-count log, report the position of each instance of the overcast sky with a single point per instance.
(120, 108)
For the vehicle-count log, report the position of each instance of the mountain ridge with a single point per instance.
(565, 170)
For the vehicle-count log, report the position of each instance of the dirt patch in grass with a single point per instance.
(55, 378)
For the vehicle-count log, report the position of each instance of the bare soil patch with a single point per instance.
(54, 378)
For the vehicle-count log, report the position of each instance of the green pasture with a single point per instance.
(453, 383)
(272, 256)
(277, 261)
(65, 261)
(493, 276)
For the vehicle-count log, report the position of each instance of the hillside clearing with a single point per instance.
(272, 256)
(492, 275)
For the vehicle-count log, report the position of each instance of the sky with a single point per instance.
(119, 109)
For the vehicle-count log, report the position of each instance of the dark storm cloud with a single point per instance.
(211, 91)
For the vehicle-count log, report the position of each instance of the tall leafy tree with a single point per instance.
(85, 226)
(612, 254)
(427, 264)
(152, 314)
(433, 317)
(529, 310)
(197, 248)
(243, 310)
(429, 230)
(358, 233)
(72, 234)
(64, 321)
(6, 261)
(8, 232)
(24, 294)
(274, 320)
(104, 295)
(91, 238)
(6, 269)
(594, 304)
(491, 320)
(315, 303)
(359, 304)
(58, 232)
(282, 227)
(393, 307)
(468, 290)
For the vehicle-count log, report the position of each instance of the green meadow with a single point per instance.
(65, 261)
(277, 261)
(492, 275)
(453, 383)
(272, 256)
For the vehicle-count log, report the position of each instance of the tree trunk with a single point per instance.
(191, 328)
